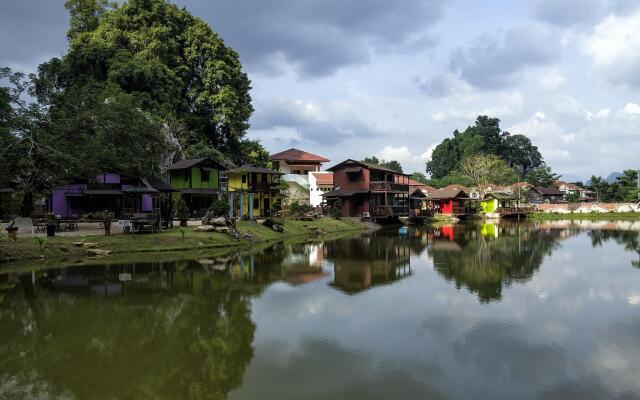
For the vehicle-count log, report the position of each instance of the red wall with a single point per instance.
(340, 179)
(349, 208)
(446, 206)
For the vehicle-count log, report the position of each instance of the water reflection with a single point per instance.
(373, 260)
(484, 258)
(275, 323)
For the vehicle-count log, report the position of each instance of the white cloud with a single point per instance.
(552, 79)
(614, 47)
(410, 162)
(577, 142)
(467, 107)
(631, 109)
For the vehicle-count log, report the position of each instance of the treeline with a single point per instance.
(625, 187)
(507, 158)
(142, 84)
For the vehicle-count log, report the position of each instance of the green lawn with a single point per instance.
(173, 240)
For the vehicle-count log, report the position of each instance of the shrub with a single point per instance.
(336, 209)
(219, 207)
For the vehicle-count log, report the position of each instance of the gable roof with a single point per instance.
(520, 184)
(455, 186)
(365, 165)
(448, 194)
(323, 178)
(183, 164)
(548, 191)
(158, 184)
(500, 196)
(297, 155)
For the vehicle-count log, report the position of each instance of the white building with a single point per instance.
(319, 183)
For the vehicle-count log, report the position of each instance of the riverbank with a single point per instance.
(623, 216)
(172, 240)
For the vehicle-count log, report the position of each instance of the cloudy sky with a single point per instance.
(347, 79)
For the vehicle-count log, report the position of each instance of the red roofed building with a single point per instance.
(297, 162)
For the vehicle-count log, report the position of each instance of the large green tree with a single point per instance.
(171, 64)
(484, 137)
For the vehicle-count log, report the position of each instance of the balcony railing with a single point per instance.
(389, 211)
(382, 186)
(456, 210)
(262, 187)
(515, 210)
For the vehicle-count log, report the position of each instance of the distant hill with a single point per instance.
(613, 176)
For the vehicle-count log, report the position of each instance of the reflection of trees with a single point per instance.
(165, 334)
(371, 260)
(627, 238)
(486, 265)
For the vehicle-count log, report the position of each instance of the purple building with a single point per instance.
(122, 195)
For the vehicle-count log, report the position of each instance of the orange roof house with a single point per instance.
(298, 162)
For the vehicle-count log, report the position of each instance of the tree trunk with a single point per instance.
(27, 204)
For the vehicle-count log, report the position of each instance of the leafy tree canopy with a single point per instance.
(542, 176)
(170, 63)
(420, 177)
(484, 137)
(483, 170)
(391, 164)
(625, 188)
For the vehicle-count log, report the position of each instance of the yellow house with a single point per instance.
(253, 191)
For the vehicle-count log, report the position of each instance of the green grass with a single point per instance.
(586, 216)
(172, 240)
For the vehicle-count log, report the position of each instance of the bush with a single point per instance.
(336, 209)
(180, 209)
(219, 208)
(298, 209)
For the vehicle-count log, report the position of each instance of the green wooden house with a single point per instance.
(198, 181)
(492, 202)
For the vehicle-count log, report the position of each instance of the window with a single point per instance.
(256, 203)
(244, 178)
(186, 175)
(204, 175)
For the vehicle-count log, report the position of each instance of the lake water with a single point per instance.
(483, 311)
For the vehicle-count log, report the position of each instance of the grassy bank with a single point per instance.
(629, 216)
(173, 240)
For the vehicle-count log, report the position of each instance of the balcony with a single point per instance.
(389, 211)
(383, 186)
(262, 187)
(515, 210)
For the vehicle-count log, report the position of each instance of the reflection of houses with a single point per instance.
(124, 196)
(361, 263)
(198, 181)
(253, 191)
(370, 189)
